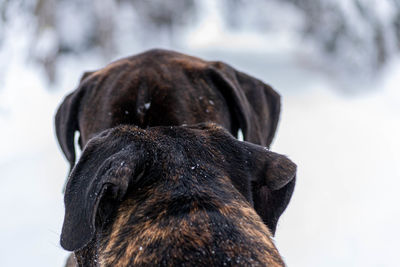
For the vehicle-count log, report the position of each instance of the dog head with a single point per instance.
(128, 161)
(164, 88)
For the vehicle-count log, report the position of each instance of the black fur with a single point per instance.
(180, 90)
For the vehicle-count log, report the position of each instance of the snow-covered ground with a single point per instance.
(345, 210)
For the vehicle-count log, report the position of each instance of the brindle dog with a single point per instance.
(165, 88)
(172, 196)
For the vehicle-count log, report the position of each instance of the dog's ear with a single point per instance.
(66, 124)
(272, 179)
(99, 180)
(254, 105)
(269, 168)
(265, 167)
(66, 120)
(265, 178)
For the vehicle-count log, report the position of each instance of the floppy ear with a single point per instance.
(273, 178)
(66, 123)
(271, 169)
(266, 179)
(254, 105)
(99, 180)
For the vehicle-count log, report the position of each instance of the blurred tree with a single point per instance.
(44, 12)
(76, 27)
(357, 36)
(164, 14)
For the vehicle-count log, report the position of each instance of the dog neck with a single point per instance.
(191, 226)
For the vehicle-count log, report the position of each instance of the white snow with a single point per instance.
(240, 135)
(345, 210)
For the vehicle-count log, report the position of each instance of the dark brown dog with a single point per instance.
(165, 88)
(172, 196)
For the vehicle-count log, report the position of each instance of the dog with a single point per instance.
(166, 88)
(172, 196)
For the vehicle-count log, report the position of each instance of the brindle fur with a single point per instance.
(172, 196)
(182, 90)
